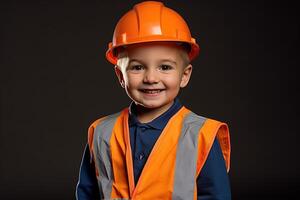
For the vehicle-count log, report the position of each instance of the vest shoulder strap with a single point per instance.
(93, 126)
(211, 130)
(91, 131)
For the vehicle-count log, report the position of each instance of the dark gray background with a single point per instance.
(55, 81)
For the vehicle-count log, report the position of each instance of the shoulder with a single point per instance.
(106, 119)
(103, 119)
(214, 130)
(102, 122)
(206, 126)
(194, 118)
(210, 127)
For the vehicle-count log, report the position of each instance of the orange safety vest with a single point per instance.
(173, 165)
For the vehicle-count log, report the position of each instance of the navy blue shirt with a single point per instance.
(212, 182)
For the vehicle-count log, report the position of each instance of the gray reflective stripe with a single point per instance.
(102, 154)
(186, 164)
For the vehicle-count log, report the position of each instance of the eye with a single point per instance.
(165, 67)
(136, 67)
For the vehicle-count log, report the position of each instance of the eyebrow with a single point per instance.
(135, 60)
(168, 60)
(163, 60)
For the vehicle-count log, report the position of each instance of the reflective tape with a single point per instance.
(186, 164)
(102, 154)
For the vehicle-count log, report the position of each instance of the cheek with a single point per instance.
(132, 80)
(173, 81)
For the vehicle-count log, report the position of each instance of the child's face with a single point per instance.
(153, 73)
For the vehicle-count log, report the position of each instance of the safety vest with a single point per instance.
(172, 166)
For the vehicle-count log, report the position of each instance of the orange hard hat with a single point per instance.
(150, 21)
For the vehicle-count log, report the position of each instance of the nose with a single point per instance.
(151, 76)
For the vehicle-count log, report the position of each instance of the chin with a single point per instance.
(154, 105)
(151, 106)
(148, 105)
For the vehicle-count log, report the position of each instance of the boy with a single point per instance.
(156, 148)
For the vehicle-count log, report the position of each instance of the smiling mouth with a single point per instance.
(151, 91)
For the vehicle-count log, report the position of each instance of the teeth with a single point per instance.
(151, 91)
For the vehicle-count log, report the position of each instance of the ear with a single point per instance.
(186, 75)
(120, 76)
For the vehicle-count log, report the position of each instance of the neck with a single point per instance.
(146, 115)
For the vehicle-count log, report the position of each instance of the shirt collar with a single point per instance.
(159, 122)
